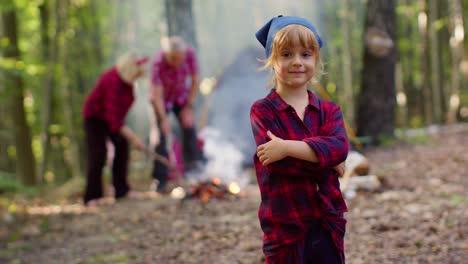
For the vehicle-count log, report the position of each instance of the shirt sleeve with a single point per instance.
(154, 77)
(192, 61)
(114, 114)
(263, 120)
(331, 146)
(155, 69)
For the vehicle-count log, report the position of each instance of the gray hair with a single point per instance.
(173, 44)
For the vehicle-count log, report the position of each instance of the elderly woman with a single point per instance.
(170, 91)
(104, 115)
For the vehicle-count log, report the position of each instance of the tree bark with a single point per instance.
(376, 116)
(49, 47)
(426, 88)
(180, 20)
(348, 106)
(25, 164)
(456, 44)
(408, 57)
(435, 62)
(93, 8)
(73, 153)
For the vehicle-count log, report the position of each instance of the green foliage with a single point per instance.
(386, 141)
(416, 121)
(7, 5)
(422, 139)
(9, 184)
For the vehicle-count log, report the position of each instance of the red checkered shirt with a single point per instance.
(175, 82)
(294, 191)
(109, 100)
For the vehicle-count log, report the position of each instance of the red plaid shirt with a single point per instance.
(110, 100)
(175, 81)
(294, 191)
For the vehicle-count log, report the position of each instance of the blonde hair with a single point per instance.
(127, 66)
(289, 36)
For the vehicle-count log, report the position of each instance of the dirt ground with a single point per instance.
(419, 215)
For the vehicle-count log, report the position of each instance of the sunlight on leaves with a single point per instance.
(12, 151)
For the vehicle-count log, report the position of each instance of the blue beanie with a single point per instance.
(266, 34)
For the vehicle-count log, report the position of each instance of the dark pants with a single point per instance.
(192, 153)
(97, 133)
(317, 247)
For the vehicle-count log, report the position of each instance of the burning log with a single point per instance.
(207, 190)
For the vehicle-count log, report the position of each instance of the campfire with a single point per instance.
(210, 189)
(222, 177)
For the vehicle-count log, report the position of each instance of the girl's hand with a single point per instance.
(272, 151)
(340, 169)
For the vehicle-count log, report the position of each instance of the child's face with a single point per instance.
(295, 66)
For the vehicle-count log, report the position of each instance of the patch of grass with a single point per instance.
(14, 236)
(9, 184)
(45, 225)
(14, 250)
(419, 244)
(387, 141)
(418, 140)
(110, 258)
(457, 199)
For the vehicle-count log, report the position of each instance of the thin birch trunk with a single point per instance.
(435, 62)
(456, 50)
(348, 107)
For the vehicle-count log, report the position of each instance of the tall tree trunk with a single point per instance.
(66, 94)
(444, 51)
(402, 116)
(435, 62)
(93, 8)
(25, 165)
(348, 106)
(422, 21)
(49, 47)
(180, 21)
(456, 44)
(407, 58)
(376, 116)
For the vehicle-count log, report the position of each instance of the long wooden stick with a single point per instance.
(165, 161)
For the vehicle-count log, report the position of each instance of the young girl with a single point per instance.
(300, 142)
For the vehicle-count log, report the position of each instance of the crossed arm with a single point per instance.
(327, 150)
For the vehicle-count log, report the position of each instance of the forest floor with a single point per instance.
(419, 215)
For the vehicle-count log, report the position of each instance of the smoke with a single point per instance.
(224, 160)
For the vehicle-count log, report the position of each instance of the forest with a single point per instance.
(398, 70)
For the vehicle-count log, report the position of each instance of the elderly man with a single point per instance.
(174, 86)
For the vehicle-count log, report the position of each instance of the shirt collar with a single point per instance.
(281, 105)
(121, 80)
